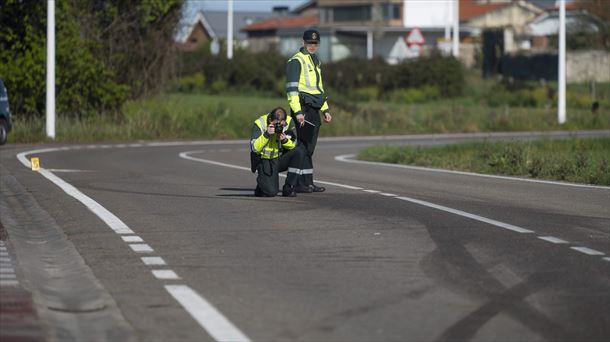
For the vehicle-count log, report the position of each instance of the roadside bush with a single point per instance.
(364, 94)
(414, 95)
(190, 84)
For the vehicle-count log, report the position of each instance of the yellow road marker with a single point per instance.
(35, 164)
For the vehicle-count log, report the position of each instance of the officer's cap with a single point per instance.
(311, 36)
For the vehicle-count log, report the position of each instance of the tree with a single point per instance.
(106, 52)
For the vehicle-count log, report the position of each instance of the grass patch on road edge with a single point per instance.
(580, 160)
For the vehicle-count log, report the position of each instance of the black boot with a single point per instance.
(315, 188)
(303, 189)
(288, 191)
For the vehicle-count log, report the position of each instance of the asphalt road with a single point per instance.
(385, 254)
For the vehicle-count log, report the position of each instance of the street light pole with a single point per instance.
(561, 98)
(230, 30)
(50, 104)
(456, 28)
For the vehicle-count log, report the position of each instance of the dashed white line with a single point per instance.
(208, 317)
(387, 194)
(7, 276)
(468, 215)
(5, 259)
(372, 191)
(152, 261)
(7, 270)
(552, 239)
(132, 238)
(587, 250)
(165, 274)
(9, 282)
(606, 258)
(141, 248)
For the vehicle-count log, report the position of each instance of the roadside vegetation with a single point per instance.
(580, 160)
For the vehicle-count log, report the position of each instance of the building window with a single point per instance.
(352, 13)
(391, 11)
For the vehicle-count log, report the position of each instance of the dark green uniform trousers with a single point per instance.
(268, 171)
(312, 115)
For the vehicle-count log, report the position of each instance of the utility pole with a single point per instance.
(50, 69)
(456, 28)
(561, 98)
(230, 30)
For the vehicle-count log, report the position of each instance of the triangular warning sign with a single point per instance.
(415, 37)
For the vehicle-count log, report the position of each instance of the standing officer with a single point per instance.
(274, 149)
(306, 98)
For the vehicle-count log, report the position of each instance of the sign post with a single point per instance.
(50, 105)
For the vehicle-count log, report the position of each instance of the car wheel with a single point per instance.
(3, 132)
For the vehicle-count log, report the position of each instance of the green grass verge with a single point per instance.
(574, 160)
(198, 116)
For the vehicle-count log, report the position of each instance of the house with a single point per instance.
(206, 26)
(508, 16)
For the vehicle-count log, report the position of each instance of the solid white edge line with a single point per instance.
(468, 215)
(387, 194)
(606, 258)
(372, 191)
(208, 317)
(552, 239)
(587, 251)
(153, 261)
(346, 158)
(109, 218)
(165, 274)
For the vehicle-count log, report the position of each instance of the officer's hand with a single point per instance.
(283, 137)
(327, 117)
(301, 119)
(271, 129)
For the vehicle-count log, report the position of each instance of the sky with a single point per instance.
(243, 5)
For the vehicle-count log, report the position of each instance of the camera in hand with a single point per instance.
(279, 128)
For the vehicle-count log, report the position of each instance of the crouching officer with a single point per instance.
(274, 149)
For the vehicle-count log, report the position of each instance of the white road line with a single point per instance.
(372, 191)
(67, 170)
(427, 204)
(340, 185)
(109, 218)
(132, 238)
(7, 276)
(346, 158)
(468, 215)
(185, 155)
(5, 259)
(208, 317)
(141, 248)
(606, 258)
(587, 251)
(9, 282)
(387, 194)
(153, 261)
(3, 253)
(7, 270)
(165, 274)
(552, 239)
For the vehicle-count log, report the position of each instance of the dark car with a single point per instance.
(5, 114)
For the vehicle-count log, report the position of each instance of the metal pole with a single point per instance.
(369, 44)
(561, 99)
(449, 9)
(50, 69)
(230, 30)
(456, 28)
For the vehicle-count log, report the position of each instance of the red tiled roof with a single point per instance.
(470, 9)
(282, 22)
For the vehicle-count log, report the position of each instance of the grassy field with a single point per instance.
(573, 160)
(194, 116)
